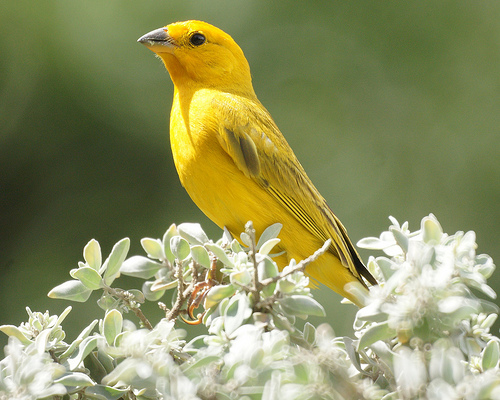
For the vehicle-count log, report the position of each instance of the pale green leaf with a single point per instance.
(71, 290)
(375, 333)
(431, 230)
(88, 276)
(235, 246)
(83, 334)
(489, 321)
(217, 293)
(271, 232)
(200, 255)
(192, 370)
(140, 267)
(193, 233)
(154, 248)
(309, 333)
(387, 267)
(236, 313)
(491, 354)
(302, 305)
(114, 261)
(246, 239)
(401, 239)
(179, 247)
(371, 313)
(268, 246)
(373, 243)
(219, 253)
(77, 379)
(84, 348)
(14, 331)
(256, 358)
(267, 269)
(112, 325)
(63, 316)
(169, 234)
(242, 278)
(161, 284)
(92, 254)
(151, 295)
(103, 392)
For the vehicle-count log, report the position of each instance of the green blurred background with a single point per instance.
(392, 108)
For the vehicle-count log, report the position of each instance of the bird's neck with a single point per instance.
(187, 85)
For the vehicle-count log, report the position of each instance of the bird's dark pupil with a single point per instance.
(197, 39)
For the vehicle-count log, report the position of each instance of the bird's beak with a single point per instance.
(158, 41)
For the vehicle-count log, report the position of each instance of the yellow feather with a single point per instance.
(235, 163)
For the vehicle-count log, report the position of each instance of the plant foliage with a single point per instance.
(423, 334)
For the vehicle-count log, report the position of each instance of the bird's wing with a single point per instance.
(252, 139)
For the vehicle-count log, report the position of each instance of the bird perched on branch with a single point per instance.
(235, 163)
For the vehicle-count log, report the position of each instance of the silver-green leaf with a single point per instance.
(71, 290)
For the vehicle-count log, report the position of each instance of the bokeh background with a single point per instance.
(393, 108)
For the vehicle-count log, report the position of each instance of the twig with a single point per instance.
(127, 298)
(300, 266)
(176, 309)
(257, 286)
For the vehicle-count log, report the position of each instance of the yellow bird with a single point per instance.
(235, 163)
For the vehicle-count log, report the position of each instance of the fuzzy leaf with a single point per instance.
(267, 246)
(302, 305)
(14, 331)
(92, 254)
(84, 348)
(154, 248)
(114, 261)
(373, 243)
(102, 392)
(88, 276)
(71, 290)
(163, 285)
(169, 234)
(387, 267)
(83, 334)
(219, 253)
(77, 379)
(375, 333)
(217, 293)
(193, 233)
(431, 230)
(401, 239)
(246, 239)
(236, 313)
(179, 247)
(242, 278)
(267, 269)
(140, 267)
(200, 255)
(309, 333)
(151, 295)
(491, 355)
(112, 325)
(371, 313)
(271, 232)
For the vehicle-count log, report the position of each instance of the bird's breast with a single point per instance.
(210, 176)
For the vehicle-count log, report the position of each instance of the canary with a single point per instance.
(235, 163)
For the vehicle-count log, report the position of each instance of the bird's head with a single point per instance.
(201, 55)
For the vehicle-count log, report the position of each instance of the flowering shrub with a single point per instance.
(423, 333)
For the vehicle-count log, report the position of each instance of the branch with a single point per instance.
(300, 266)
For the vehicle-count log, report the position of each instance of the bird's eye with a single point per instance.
(197, 39)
